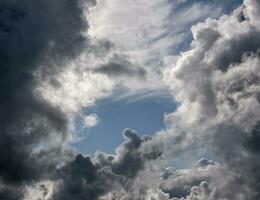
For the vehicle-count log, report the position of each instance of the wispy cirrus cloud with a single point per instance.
(147, 33)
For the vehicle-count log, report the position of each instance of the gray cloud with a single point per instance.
(205, 180)
(34, 35)
(217, 85)
(83, 178)
(120, 66)
(130, 157)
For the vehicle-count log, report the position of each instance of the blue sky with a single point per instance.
(145, 116)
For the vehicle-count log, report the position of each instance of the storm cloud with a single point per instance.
(35, 36)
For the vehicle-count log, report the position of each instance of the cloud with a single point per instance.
(91, 120)
(205, 180)
(36, 37)
(217, 84)
(130, 157)
(119, 66)
(101, 177)
(146, 34)
(146, 30)
(83, 178)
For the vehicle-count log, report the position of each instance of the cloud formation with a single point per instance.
(83, 178)
(217, 84)
(205, 180)
(35, 36)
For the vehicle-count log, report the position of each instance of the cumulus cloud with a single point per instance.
(205, 180)
(217, 84)
(83, 178)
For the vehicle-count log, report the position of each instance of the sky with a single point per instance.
(129, 100)
(145, 116)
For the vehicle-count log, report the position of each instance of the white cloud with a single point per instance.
(91, 120)
(43, 190)
(75, 87)
(147, 32)
(217, 83)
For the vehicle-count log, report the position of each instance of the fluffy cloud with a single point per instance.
(83, 178)
(205, 180)
(217, 84)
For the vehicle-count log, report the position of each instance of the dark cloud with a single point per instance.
(9, 193)
(83, 178)
(34, 36)
(120, 66)
(253, 141)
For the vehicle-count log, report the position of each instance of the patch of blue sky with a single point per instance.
(146, 116)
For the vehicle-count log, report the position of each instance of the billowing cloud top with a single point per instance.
(217, 83)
